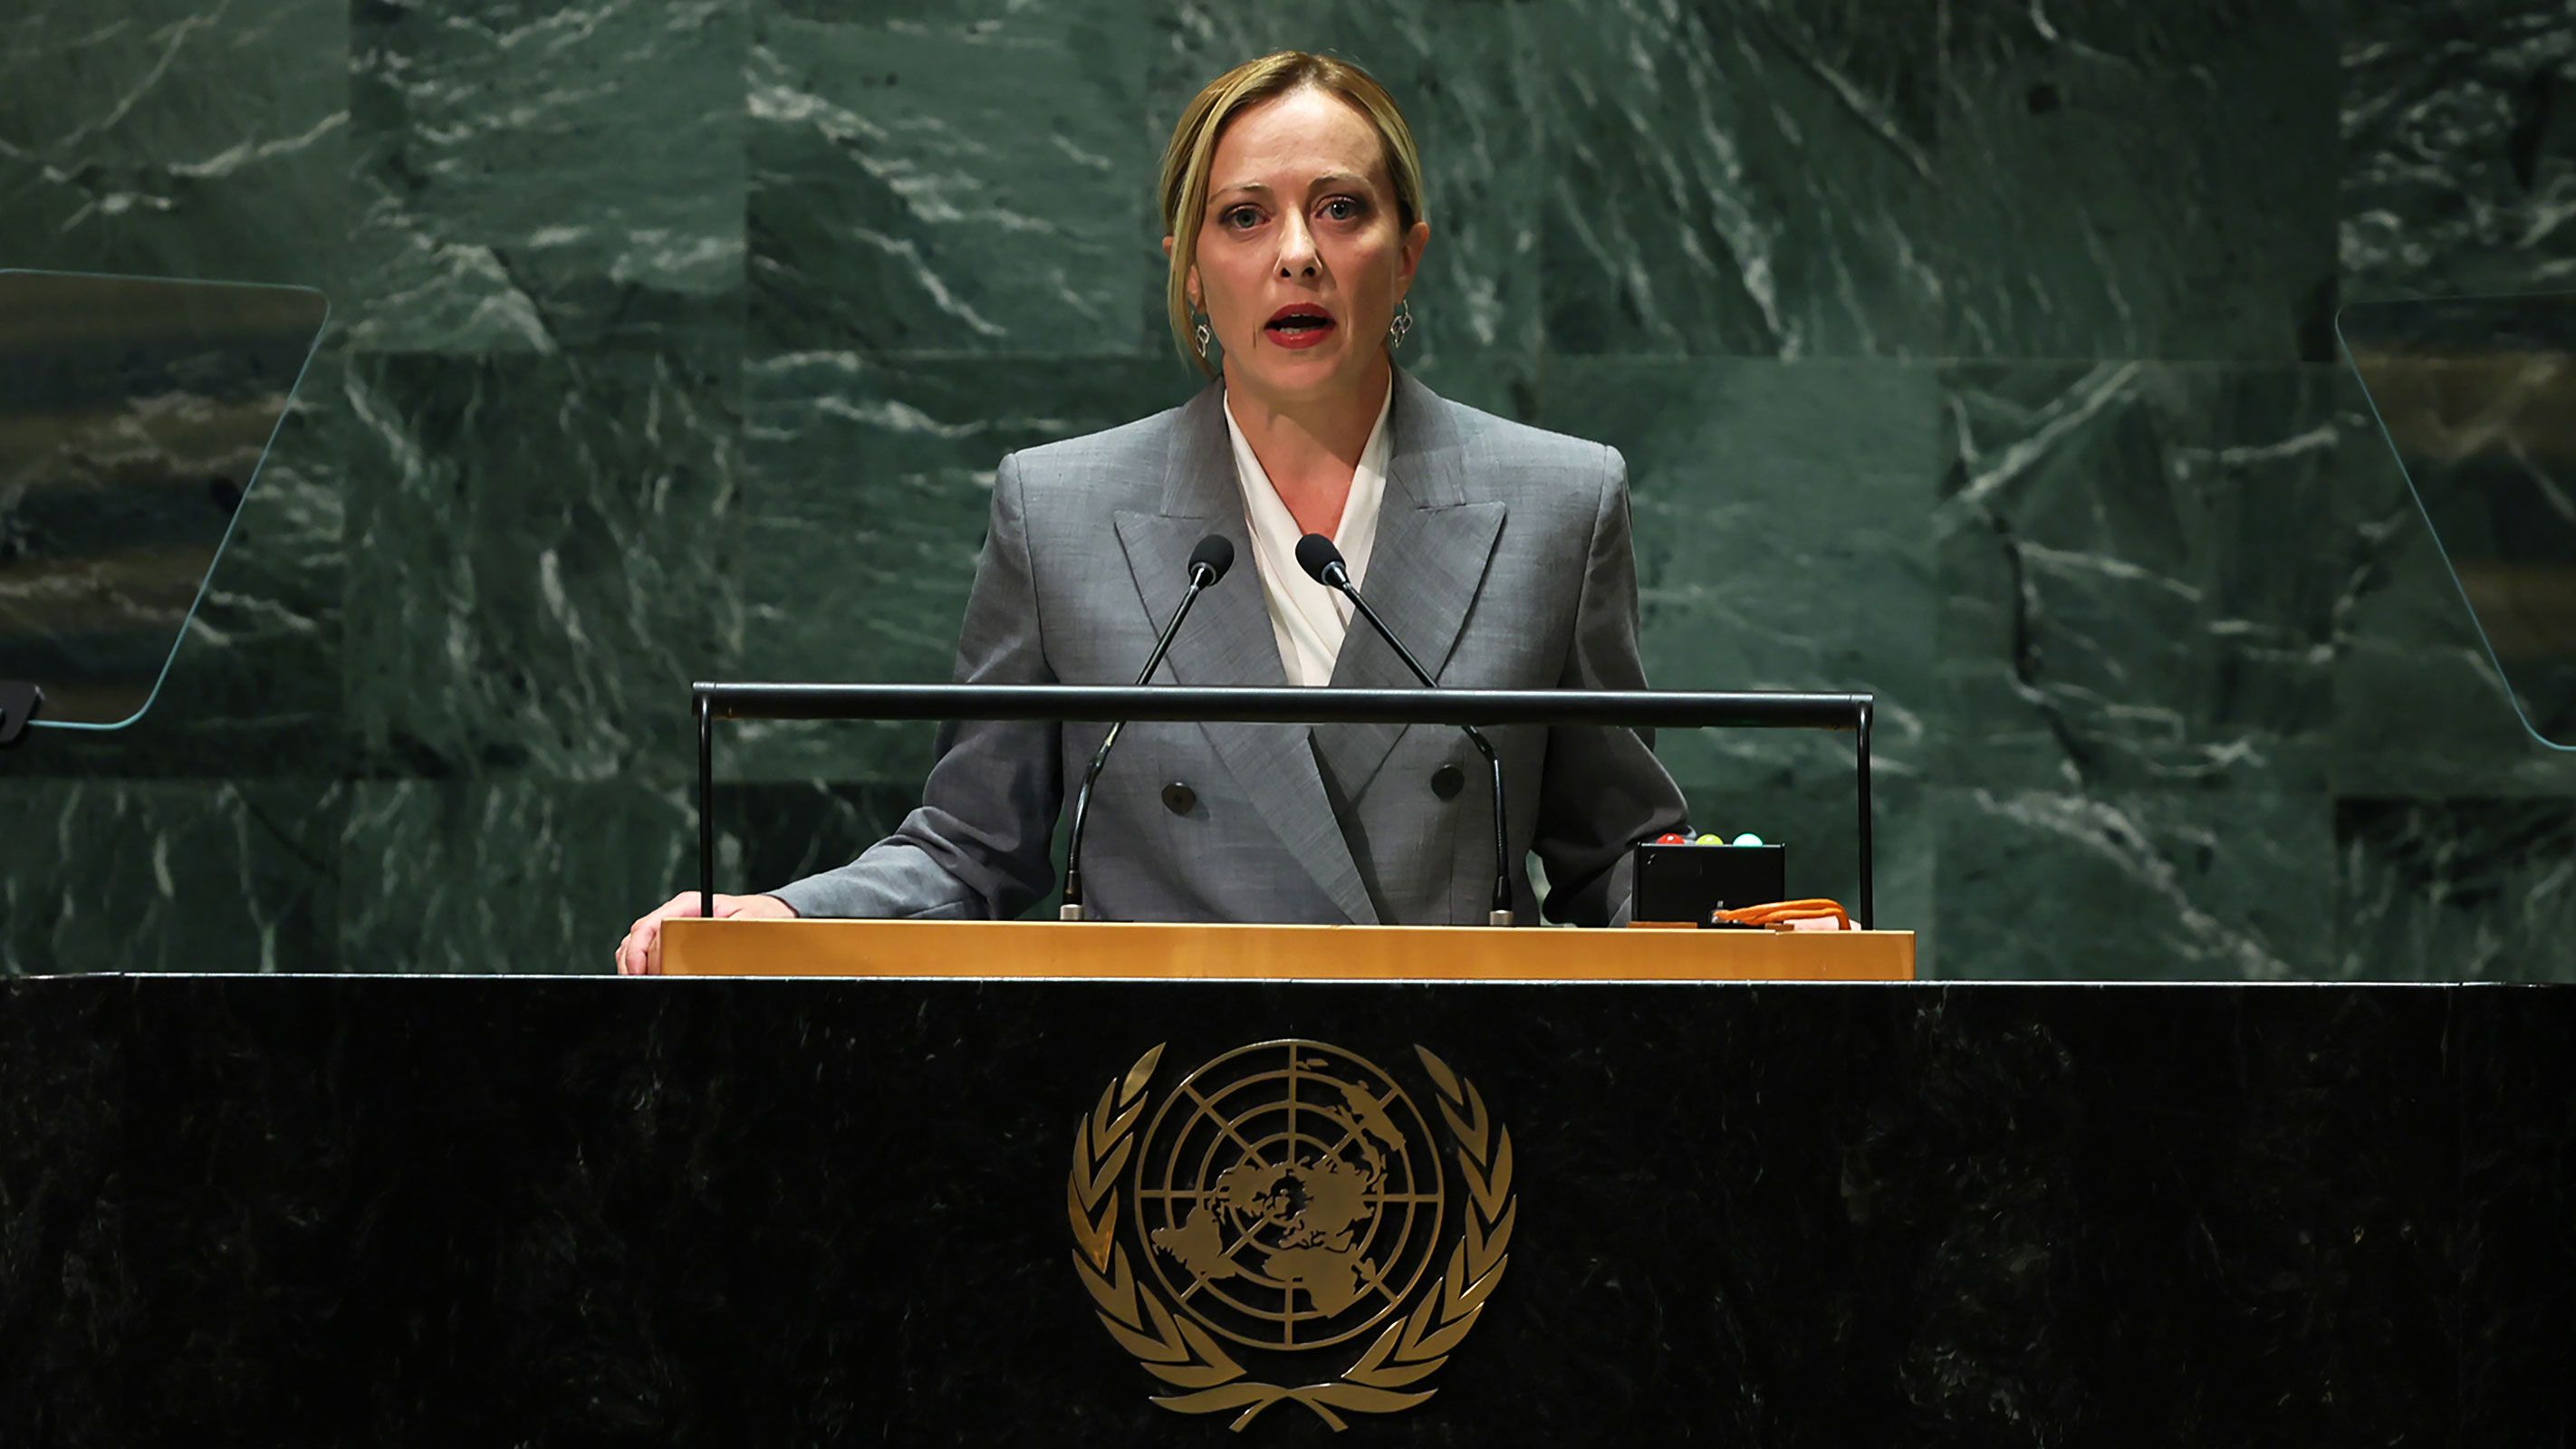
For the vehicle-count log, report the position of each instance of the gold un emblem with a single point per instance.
(1287, 1200)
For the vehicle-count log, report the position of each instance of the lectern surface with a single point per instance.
(1123, 950)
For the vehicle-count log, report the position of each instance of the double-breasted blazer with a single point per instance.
(1502, 560)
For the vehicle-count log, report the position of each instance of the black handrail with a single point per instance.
(1245, 705)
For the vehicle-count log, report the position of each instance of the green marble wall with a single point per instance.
(1979, 354)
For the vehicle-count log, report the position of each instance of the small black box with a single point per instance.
(1686, 882)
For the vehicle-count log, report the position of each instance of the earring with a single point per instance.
(1201, 333)
(1402, 324)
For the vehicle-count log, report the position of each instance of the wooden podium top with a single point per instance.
(1108, 950)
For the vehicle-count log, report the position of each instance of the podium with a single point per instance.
(502, 1210)
(1107, 950)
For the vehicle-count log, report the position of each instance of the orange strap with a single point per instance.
(1778, 914)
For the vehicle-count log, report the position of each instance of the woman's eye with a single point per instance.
(1341, 208)
(1241, 217)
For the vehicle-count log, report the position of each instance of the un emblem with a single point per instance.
(1288, 1197)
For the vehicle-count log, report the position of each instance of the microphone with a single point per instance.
(1208, 563)
(1323, 563)
(19, 706)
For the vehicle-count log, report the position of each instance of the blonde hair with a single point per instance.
(1193, 149)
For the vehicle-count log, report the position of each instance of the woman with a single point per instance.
(1498, 553)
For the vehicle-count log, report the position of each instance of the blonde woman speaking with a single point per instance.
(1292, 193)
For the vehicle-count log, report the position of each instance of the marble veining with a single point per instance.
(1981, 356)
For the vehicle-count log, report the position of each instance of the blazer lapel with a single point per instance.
(1423, 575)
(1227, 640)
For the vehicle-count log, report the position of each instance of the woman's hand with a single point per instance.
(640, 954)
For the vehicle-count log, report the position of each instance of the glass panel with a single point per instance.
(134, 413)
(2478, 397)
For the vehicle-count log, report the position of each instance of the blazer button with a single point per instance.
(1179, 798)
(1447, 781)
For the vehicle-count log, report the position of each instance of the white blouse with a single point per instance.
(1307, 618)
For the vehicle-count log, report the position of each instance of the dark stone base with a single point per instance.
(570, 1212)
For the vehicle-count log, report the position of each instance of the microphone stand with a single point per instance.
(1336, 575)
(1201, 575)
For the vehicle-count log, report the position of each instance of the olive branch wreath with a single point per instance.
(1189, 1358)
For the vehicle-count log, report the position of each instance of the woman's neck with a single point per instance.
(1310, 448)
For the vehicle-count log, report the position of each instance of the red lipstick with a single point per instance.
(1300, 324)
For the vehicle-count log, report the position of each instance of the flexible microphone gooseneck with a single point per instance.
(1208, 563)
(1323, 563)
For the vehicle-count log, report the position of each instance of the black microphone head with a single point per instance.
(1215, 553)
(1315, 554)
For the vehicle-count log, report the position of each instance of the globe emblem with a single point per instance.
(1289, 1195)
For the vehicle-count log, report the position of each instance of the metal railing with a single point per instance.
(1241, 705)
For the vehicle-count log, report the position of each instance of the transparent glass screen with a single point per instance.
(134, 414)
(2478, 398)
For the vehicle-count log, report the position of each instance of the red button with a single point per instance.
(1672, 838)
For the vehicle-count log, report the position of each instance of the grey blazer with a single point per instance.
(1502, 559)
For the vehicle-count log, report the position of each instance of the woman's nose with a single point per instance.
(1296, 250)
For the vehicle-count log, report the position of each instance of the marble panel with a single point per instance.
(541, 560)
(2459, 148)
(1506, 384)
(1779, 513)
(1754, 179)
(180, 875)
(532, 177)
(478, 581)
(2138, 567)
(867, 489)
(1462, 73)
(2174, 884)
(955, 178)
(540, 877)
(165, 138)
(2139, 181)
(2456, 889)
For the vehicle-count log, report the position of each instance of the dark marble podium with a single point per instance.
(453, 1212)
